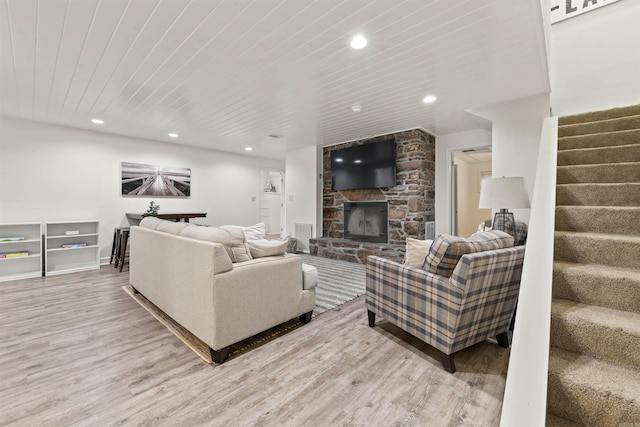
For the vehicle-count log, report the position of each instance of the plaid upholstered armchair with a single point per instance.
(465, 292)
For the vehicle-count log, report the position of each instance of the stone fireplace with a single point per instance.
(365, 221)
(410, 202)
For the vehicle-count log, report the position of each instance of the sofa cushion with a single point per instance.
(262, 247)
(239, 246)
(446, 250)
(416, 252)
(172, 227)
(257, 231)
(210, 234)
(309, 277)
(151, 222)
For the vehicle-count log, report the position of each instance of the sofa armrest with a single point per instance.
(256, 295)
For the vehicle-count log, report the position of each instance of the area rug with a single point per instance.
(338, 282)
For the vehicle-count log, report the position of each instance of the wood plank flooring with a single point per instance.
(77, 350)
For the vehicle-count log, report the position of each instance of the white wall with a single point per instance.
(302, 199)
(595, 60)
(53, 173)
(445, 146)
(515, 139)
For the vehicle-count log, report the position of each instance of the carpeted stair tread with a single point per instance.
(592, 156)
(611, 287)
(599, 194)
(592, 392)
(613, 250)
(593, 116)
(594, 358)
(556, 421)
(610, 125)
(607, 139)
(599, 219)
(588, 329)
(599, 173)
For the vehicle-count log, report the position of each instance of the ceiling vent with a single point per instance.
(275, 136)
(478, 150)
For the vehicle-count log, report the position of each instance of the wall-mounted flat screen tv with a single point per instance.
(364, 166)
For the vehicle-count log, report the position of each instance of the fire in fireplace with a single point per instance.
(365, 221)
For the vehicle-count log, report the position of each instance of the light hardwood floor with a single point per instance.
(77, 350)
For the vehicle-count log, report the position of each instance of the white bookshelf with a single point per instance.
(60, 258)
(30, 243)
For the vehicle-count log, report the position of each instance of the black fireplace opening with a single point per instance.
(366, 221)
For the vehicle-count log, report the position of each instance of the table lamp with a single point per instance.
(504, 193)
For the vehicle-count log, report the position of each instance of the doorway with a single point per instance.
(469, 167)
(271, 201)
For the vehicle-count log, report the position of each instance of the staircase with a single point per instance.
(594, 359)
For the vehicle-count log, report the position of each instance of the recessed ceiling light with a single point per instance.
(248, 148)
(429, 99)
(339, 159)
(97, 121)
(173, 135)
(357, 161)
(356, 108)
(358, 42)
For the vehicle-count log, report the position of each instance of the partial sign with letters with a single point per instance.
(565, 9)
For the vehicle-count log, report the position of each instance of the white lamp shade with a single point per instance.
(503, 193)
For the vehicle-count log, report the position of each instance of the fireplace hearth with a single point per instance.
(366, 221)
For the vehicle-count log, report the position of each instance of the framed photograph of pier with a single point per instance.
(141, 180)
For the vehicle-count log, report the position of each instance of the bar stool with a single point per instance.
(122, 251)
(116, 245)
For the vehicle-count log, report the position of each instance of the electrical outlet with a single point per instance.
(253, 198)
(291, 197)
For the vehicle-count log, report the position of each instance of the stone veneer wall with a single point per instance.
(411, 200)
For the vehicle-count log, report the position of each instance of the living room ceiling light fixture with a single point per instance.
(429, 99)
(248, 148)
(356, 108)
(358, 42)
(97, 121)
(173, 135)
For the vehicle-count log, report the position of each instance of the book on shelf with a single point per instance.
(74, 245)
(13, 254)
(11, 239)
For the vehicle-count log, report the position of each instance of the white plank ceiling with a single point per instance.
(227, 74)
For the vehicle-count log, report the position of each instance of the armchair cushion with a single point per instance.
(446, 250)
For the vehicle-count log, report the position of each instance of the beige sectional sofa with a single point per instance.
(188, 272)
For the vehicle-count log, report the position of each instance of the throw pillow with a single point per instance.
(444, 254)
(257, 231)
(262, 247)
(239, 246)
(416, 252)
